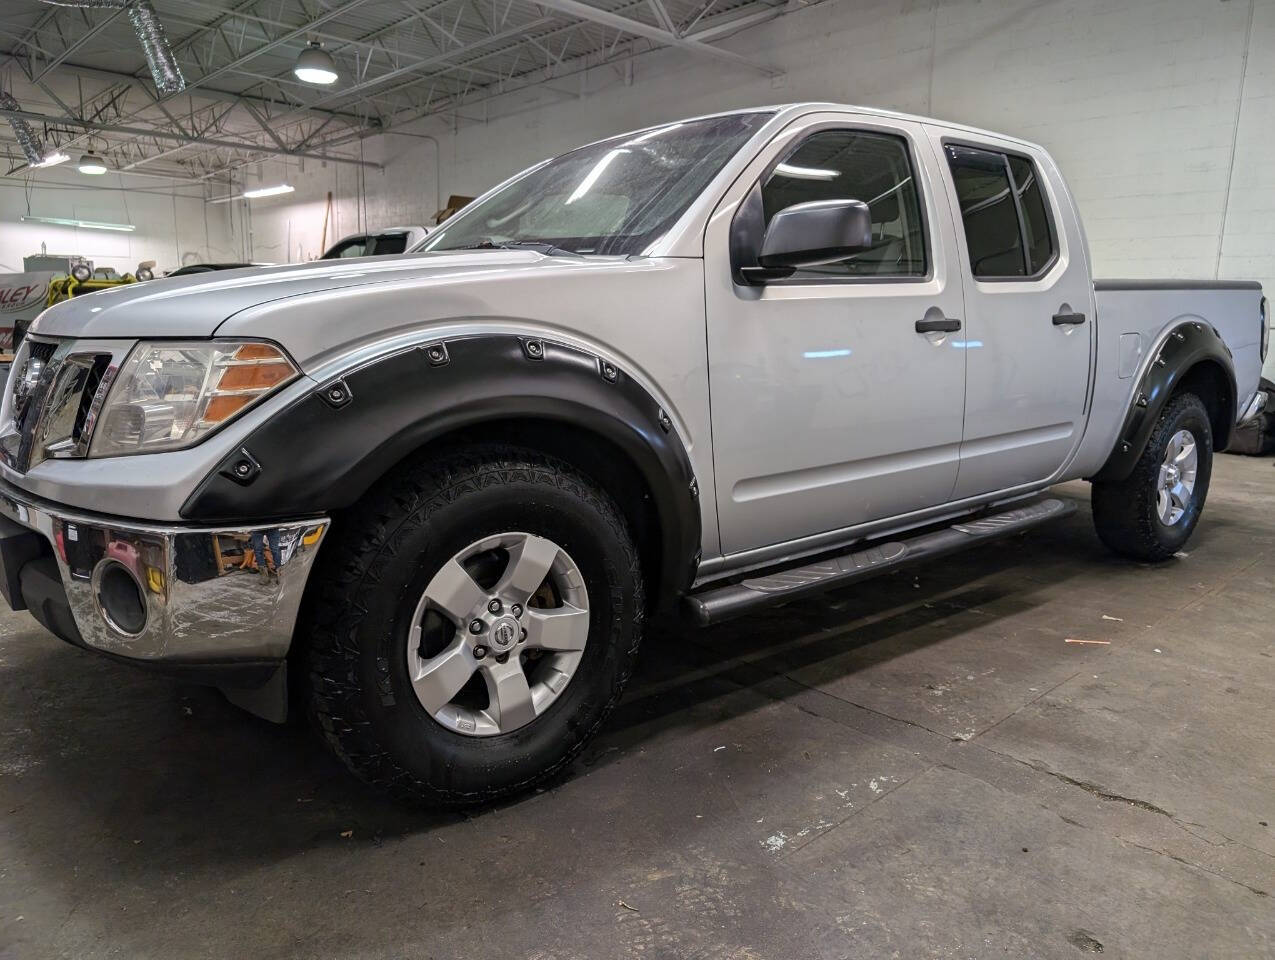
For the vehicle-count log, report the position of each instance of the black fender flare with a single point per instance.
(1189, 344)
(325, 450)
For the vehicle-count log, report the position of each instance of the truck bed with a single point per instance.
(1133, 316)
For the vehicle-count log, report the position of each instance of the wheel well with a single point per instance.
(1208, 381)
(589, 452)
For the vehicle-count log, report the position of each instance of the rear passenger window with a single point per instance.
(856, 165)
(1040, 239)
(1007, 226)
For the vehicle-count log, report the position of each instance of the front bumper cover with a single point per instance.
(198, 605)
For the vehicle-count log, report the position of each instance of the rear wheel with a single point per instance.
(1152, 513)
(474, 626)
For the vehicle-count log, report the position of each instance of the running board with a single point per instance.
(715, 604)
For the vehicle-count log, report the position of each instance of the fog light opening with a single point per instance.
(119, 598)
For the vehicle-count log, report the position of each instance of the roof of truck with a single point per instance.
(791, 110)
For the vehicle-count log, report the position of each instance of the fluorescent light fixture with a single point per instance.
(591, 177)
(92, 164)
(53, 159)
(85, 224)
(315, 65)
(268, 191)
(806, 173)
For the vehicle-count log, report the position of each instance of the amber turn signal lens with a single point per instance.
(257, 351)
(223, 406)
(255, 376)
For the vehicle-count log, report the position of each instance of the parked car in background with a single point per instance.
(192, 268)
(377, 244)
(723, 363)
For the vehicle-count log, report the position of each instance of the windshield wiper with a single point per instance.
(548, 249)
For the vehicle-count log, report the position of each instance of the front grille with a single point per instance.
(91, 384)
(29, 376)
(51, 401)
(42, 350)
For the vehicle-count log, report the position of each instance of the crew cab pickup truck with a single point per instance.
(713, 364)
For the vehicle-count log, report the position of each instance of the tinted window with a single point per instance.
(989, 212)
(1040, 239)
(389, 243)
(855, 165)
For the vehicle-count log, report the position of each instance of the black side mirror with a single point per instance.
(821, 231)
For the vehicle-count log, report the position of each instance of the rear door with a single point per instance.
(830, 408)
(1028, 312)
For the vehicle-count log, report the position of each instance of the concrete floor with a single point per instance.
(922, 767)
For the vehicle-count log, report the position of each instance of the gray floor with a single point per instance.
(923, 767)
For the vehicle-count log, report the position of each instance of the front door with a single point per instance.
(830, 408)
(1028, 313)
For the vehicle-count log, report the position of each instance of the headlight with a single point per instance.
(171, 395)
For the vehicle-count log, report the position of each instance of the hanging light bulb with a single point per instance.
(315, 65)
(92, 164)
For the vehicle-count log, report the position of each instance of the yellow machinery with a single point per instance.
(82, 280)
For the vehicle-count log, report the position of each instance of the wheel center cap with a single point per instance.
(1172, 475)
(504, 633)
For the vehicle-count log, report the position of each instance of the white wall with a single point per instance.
(168, 227)
(1160, 112)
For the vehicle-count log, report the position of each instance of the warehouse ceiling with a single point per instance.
(81, 78)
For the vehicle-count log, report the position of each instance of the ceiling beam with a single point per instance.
(288, 37)
(636, 27)
(74, 45)
(182, 138)
(728, 24)
(207, 93)
(442, 58)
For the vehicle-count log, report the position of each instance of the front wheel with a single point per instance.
(1152, 513)
(476, 623)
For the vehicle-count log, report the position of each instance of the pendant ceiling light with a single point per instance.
(315, 65)
(91, 163)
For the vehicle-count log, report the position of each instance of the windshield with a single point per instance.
(613, 198)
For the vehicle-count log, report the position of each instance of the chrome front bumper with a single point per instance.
(198, 605)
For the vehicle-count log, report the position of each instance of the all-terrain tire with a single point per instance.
(1125, 513)
(373, 572)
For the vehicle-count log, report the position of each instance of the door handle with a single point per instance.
(1063, 319)
(944, 325)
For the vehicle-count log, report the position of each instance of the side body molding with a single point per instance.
(324, 451)
(1186, 346)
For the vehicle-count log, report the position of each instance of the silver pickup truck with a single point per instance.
(714, 364)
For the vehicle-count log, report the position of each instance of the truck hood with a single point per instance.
(196, 305)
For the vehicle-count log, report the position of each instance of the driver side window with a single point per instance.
(856, 165)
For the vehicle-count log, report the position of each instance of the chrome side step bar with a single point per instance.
(715, 604)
